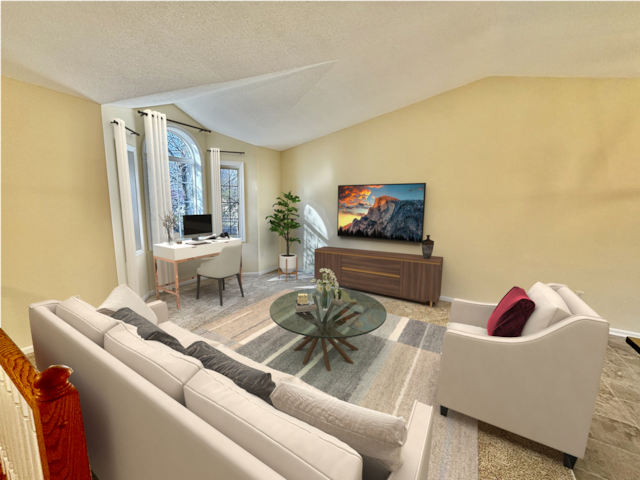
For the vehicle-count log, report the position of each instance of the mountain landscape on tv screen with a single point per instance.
(383, 216)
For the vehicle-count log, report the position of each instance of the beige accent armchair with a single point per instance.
(225, 265)
(542, 386)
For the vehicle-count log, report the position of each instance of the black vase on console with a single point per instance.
(427, 247)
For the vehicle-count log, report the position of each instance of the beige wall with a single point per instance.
(261, 173)
(56, 224)
(268, 191)
(527, 180)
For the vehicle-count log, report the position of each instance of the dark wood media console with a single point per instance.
(410, 277)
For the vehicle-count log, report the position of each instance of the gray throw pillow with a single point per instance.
(253, 381)
(148, 330)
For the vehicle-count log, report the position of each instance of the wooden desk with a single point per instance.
(177, 254)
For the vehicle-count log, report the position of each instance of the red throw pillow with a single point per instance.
(509, 317)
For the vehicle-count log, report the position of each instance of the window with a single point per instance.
(135, 198)
(232, 186)
(185, 174)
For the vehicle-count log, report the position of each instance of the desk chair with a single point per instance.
(225, 265)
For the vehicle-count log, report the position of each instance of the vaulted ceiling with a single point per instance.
(279, 74)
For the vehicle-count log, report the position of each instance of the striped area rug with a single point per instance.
(395, 365)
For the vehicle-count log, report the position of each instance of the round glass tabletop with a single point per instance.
(358, 314)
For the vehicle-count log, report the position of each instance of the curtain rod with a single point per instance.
(227, 151)
(135, 133)
(180, 123)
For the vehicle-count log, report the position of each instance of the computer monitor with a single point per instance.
(195, 225)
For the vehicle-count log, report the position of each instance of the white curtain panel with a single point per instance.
(216, 191)
(155, 127)
(126, 204)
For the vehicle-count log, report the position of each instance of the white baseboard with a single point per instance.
(27, 350)
(262, 272)
(446, 299)
(623, 333)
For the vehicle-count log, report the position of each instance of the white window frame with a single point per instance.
(131, 148)
(197, 166)
(240, 167)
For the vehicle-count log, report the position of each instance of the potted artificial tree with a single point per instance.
(284, 221)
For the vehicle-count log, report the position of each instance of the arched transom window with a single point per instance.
(185, 172)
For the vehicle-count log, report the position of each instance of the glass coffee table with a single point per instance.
(358, 314)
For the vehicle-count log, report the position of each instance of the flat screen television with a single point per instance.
(390, 211)
(194, 225)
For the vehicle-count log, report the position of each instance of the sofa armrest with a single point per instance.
(161, 310)
(417, 448)
(471, 313)
(542, 386)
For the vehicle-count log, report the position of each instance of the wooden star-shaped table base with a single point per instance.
(332, 341)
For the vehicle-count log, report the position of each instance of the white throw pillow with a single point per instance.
(550, 309)
(289, 446)
(373, 434)
(164, 367)
(124, 297)
(86, 319)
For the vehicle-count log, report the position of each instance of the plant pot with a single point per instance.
(288, 264)
(427, 247)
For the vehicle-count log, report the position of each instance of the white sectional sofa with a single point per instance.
(138, 426)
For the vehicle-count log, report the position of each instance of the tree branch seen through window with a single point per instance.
(230, 201)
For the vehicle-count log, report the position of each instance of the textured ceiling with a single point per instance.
(278, 74)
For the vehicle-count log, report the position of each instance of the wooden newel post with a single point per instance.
(62, 432)
(57, 418)
(53, 383)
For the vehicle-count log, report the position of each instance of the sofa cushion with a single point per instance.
(148, 330)
(86, 319)
(123, 296)
(164, 367)
(461, 327)
(373, 434)
(511, 314)
(254, 381)
(289, 446)
(550, 309)
(185, 337)
(575, 304)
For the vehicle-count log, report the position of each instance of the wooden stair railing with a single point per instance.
(41, 430)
